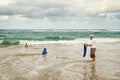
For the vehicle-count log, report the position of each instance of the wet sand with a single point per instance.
(63, 62)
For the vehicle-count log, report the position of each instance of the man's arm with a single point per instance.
(88, 44)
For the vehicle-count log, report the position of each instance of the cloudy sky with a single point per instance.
(59, 14)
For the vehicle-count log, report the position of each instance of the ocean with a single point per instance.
(21, 36)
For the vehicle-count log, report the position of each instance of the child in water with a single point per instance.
(44, 52)
(26, 45)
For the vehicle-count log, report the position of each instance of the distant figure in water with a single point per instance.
(26, 45)
(92, 45)
(44, 52)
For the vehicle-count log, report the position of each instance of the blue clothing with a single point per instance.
(85, 51)
(44, 52)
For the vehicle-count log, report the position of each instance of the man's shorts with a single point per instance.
(92, 52)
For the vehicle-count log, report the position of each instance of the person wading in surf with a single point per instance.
(92, 45)
(26, 45)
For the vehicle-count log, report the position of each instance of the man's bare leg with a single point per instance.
(93, 59)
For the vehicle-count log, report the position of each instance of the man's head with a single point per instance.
(91, 36)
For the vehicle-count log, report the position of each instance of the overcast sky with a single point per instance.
(59, 14)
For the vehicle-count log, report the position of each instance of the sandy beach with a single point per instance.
(29, 29)
(63, 62)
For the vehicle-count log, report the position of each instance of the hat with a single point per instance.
(91, 35)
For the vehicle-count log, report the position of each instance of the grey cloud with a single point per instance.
(61, 9)
(113, 15)
(34, 9)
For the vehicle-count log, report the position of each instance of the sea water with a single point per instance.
(21, 36)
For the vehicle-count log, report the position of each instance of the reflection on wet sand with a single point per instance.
(89, 71)
(93, 72)
(85, 73)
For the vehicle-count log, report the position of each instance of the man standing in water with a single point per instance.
(92, 45)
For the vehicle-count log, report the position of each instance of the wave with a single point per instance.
(67, 30)
(40, 30)
(80, 40)
(14, 37)
(114, 30)
(59, 38)
(76, 30)
(10, 42)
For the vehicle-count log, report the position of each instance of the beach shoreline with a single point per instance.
(64, 62)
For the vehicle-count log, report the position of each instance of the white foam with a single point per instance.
(1, 41)
(114, 30)
(107, 39)
(44, 42)
(81, 40)
(40, 30)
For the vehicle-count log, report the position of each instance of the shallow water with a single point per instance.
(63, 62)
